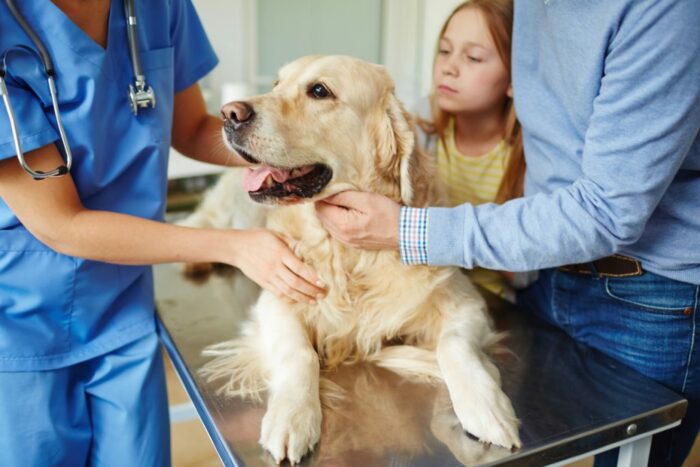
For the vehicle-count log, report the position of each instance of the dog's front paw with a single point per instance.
(291, 429)
(490, 418)
(446, 428)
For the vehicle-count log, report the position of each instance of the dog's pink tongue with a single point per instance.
(254, 178)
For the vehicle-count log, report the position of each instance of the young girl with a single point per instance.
(472, 128)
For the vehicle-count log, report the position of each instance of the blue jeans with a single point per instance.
(648, 322)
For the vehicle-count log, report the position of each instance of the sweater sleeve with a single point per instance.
(644, 120)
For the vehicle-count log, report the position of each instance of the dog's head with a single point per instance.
(330, 123)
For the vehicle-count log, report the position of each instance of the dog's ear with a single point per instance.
(401, 161)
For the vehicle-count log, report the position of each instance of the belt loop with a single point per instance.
(594, 270)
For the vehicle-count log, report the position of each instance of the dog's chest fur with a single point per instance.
(366, 305)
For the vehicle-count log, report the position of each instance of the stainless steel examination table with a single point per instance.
(572, 400)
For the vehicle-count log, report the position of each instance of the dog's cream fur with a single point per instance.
(367, 138)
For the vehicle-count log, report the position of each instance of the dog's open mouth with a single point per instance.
(265, 183)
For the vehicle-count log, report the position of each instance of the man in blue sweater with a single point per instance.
(608, 94)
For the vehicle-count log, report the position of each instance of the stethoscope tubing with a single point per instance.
(132, 33)
(140, 96)
(36, 174)
(43, 53)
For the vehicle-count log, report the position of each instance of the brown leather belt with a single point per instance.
(611, 266)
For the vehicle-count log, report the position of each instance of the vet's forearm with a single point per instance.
(196, 134)
(207, 145)
(124, 239)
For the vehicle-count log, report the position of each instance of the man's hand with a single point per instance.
(361, 220)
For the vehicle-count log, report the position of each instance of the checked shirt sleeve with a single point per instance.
(413, 235)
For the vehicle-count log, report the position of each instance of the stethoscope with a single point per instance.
(140, 94)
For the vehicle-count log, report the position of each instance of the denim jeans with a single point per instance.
(647, 322)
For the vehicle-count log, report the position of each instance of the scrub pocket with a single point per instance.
(36, 298)
(157, 65)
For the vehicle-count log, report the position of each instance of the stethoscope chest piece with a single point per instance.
(141, 96)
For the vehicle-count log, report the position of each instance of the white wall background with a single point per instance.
(230, 25)
(434, 13)
(405, 45)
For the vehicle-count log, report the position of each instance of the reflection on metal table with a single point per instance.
(572, 400)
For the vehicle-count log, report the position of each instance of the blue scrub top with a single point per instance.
(57, 310)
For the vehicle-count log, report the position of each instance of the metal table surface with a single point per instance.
(572, 400)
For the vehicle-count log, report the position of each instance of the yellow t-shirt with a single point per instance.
(475, 180)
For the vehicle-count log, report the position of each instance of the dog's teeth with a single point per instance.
(295, 173)
(269, 182)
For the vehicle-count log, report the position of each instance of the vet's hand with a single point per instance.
(267, 259)
(361, 220)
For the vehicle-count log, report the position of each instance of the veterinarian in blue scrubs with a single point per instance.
(81, 375)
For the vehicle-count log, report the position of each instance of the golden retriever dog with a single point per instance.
(333, 123)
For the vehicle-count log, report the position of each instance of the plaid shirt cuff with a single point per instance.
(413, 235)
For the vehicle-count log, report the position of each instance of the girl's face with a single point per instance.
(469, 75)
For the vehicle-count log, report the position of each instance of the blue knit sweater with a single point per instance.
(608, 93)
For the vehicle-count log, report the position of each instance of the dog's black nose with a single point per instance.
(238, 112)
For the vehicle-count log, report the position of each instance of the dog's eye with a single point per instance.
(275, 83)
(319, 91)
